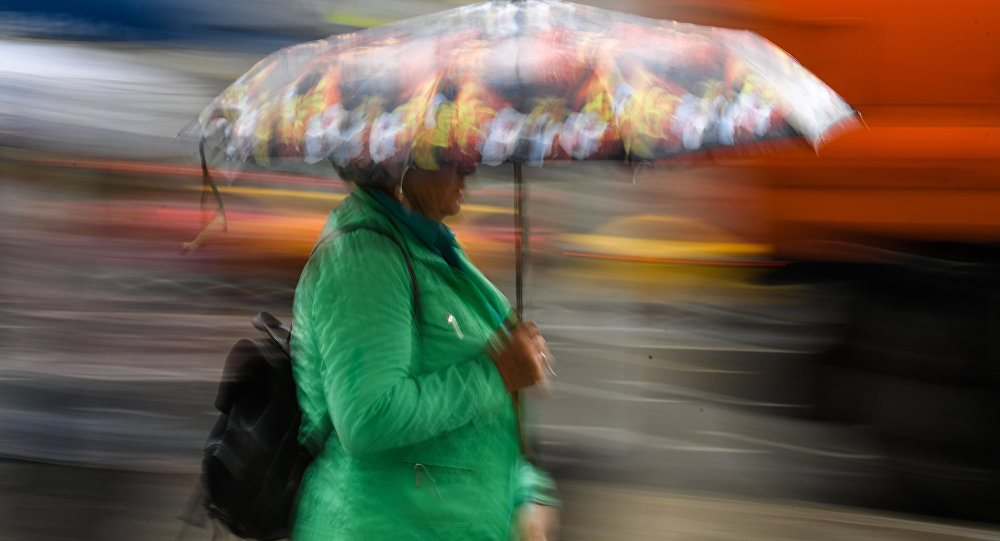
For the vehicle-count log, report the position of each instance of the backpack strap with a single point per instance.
(278, 332)
(406, 257)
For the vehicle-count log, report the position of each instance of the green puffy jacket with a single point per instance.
(416, 435)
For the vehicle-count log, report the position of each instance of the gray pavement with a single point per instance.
(597, 512)
(45, 502)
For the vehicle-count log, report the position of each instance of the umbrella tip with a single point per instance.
(861, 119)
(635, 170)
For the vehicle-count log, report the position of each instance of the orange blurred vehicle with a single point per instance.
(903, 217)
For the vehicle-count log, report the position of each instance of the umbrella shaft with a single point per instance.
(520, 236)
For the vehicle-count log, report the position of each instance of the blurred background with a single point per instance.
(792, 346)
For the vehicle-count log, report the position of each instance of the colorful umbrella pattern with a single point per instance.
(527, 81)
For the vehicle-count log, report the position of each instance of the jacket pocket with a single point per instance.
(437, 494)
(426, 476)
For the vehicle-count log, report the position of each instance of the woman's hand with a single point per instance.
(539, 522)
(524, 359)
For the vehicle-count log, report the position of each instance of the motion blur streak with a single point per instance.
(793, 346)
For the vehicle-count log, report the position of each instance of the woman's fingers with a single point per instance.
(547, 358)
(529, 342)
(530, 328)
(537, 348)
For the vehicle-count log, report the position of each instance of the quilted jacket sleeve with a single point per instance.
(364, 331)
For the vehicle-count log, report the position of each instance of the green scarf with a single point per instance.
(437, 236)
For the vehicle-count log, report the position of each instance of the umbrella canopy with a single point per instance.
(527, 81)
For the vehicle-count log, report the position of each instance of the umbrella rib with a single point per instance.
(614, 117)
(432, 91)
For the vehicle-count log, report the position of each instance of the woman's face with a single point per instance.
(435, 194)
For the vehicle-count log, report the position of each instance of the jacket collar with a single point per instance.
(436, 236)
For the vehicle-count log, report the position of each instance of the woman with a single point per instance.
(408, 403)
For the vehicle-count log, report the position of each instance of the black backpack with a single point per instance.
(253, 463)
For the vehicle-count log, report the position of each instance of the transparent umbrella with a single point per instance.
(524, 81)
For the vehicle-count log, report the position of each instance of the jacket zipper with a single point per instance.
(420, 470)
(437, 466)
(454, 324)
